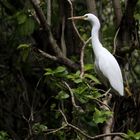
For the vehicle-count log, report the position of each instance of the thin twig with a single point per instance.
(49, 12)
(88, 136)
(114, 50)
(63, 43)
(52, 57)
(56, 130)
(72, 95)
(72, 98)
(71, 6)
(82, 57)
(102, 103)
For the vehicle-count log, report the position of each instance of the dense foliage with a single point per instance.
(45, 90)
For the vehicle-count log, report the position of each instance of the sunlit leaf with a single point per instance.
(78, 81)
(132, 135)
(88, 67)
(58, 72)
(59, 69)
(22, 46)
(91, 77)
(101, 116)
(24, 51)
(4, 136)
(62, 95)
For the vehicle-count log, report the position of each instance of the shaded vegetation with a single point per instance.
(41, 81)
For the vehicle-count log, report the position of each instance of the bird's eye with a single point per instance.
(86, 16)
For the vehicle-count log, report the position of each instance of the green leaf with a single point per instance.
(132, 136)
(88, 67)
(137, 16)
(58, 72)
(27, 27)
(25, 49)
(91, 77)
(39, 128)
(77, 81)
(74, 76)
(77, 73)
(101, 116)
(130, 133)
(21, 18)
(48, 71)
(80, 89)
(23, 46)
(62, 95)
(4, 136)
(137, 136)
(59, 69)
(25, 54)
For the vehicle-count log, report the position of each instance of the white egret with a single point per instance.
(106, 65)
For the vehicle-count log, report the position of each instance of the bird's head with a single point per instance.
(90, 17)
(85, 17)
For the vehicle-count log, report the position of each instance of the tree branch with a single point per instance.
(72, 98)
(63, 44)
(49, 12)
(118, 11)
(91, 5)
(115, 40)
(74, 23)
(82, 57)
(63, 60)
(46, 27)
(88, 136)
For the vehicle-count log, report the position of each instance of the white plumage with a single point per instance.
(106, 65)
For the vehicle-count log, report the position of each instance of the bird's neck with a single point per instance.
(96, 44)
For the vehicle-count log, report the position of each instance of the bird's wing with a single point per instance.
(110, 69)
(101, 76)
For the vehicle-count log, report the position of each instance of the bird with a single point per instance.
(106, 65)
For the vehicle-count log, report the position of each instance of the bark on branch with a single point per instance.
(63, 60)
(86, 135)
(118, 11)
(46, 27)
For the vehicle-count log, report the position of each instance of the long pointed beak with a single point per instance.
(78, 17)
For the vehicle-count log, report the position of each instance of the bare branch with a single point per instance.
(63, 44)
(108, 125)
(54, 58)
(115, 38)
(118, 11)
(72, 98)
(56, 130)
(49, 12)
(88, 136)
(63, 60)
(46, 27)
(102, 103)
(74, 23)
(82, 57)
(91, 5)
